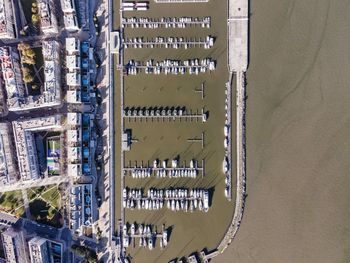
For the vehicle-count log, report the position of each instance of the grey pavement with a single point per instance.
(35, 183)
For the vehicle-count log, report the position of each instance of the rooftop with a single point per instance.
(72, 45)
(6, 22)
(25, 143)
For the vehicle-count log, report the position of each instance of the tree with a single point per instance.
(23, 46)
(28, 54)
(35, 19)
(27, 75)
(35, 15)
(89, 255)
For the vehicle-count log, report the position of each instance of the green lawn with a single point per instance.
(44, 205)
(52, 196)
(12, 202)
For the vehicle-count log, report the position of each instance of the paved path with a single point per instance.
(241, 169)
(26, 203)
(35, 183)
(238, 62)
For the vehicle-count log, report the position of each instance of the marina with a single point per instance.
(171, 66)
(166, 22)
(178, 199)
(165, 138)
(146, 234)
(164, 114)
(163, 171)
(226, 166)
(169, 42)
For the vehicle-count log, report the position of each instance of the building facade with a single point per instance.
(14, 246)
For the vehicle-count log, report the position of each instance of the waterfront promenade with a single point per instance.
(238, 17)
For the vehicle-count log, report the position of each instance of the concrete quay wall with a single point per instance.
(238, 19)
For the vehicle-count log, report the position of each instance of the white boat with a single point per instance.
(150, 243)
(148, 230)
(140, 229)
(173, 205)
(227, 193)
(125, 193)
(132, 229)
(155, 163)
(174, 163)
(168, 204)
(138, 204)
(225, 165)
(165, 237)
(200, 205)
(226, 130)
(191, 164)
(177, 205)
(206, 201)
(126, 241)
(182, 204)
(195, 203)
(141, 242)
(125, 230)
(164, 164)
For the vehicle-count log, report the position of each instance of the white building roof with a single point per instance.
(74, 170)
(72, 45)
(74, 118)
(73, 96)
(73, 62)
(74, 153)
(71, 22)
(68, 6)
(73, 136)
(73, 79)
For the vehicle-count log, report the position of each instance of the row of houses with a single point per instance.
(80, 209)
(78, 63)
(35, 250)
(79, 143)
